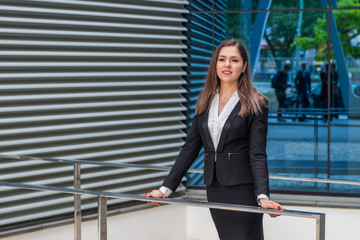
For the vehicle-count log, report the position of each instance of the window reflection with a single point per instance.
(316, 100)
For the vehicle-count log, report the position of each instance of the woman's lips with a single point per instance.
(227, 72)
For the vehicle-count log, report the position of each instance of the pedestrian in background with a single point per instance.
(280, 83)
(324, 76)
(303, 88)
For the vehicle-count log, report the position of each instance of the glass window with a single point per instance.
(312, 133)
(231, 5)
(344, 99)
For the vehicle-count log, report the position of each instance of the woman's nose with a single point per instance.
(228, 63)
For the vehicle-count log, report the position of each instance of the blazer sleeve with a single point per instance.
(189, 152)
(257, 152)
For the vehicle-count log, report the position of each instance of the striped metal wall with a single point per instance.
(206, 32)
(94, 80)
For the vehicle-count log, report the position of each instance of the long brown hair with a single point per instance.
(251, 100)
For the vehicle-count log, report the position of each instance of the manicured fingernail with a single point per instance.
(278, 207)
(159, 204)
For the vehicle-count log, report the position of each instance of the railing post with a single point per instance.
(102, 218)
(320, 227)
(77, 202)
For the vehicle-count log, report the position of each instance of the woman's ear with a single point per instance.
(245, 66)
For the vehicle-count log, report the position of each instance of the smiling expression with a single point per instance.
(230, 65)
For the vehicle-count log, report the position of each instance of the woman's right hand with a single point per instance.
(155, 194)
(266, 203)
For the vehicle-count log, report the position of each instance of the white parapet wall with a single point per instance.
(192, 223)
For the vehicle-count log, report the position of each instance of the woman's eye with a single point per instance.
(235, 60)
(221, 59)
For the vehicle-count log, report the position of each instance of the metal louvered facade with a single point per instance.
(94, 80)
(206, 32)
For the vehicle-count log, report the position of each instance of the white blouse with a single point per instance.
(215, 121)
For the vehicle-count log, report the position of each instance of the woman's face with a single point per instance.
(230, 65)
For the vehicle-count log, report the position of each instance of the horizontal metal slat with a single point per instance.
(138, 177)
(115, 172)
(90, 95)
(89, 125)
(153, 147)
(73, 23)
(30, 205)
(148, 157)
(221, 5)
(90, 54)
(84, 44)
(24, 174)
(202, 50)
(90, 135)
(48, 118)
(89, 85)
(53, 11)
(84, 106)
(202, 42)
(61, 33)
(198, 33)
(160, 147)
(34, 151)
(202, 5)
(7, 65)
(116, 5)
(89, 74)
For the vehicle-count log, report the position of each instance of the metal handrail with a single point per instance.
(102, 208)
(318, 180)
(161, 168)
(314, 111)
(102, 196)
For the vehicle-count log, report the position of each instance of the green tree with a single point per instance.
(281, 28)
(347, 22)
(280, 32)
(235, 22)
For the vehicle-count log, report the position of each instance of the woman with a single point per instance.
(231, 124)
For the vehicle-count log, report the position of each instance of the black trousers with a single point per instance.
(303, 99)
(234, 225)
(281, 97)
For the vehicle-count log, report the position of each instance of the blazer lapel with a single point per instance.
(205, 127)
(227, 125)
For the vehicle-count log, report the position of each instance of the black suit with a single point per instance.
(303, 81)
(303, 86)
(239, 161)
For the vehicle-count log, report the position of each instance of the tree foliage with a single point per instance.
(282, 26)
(347, 23)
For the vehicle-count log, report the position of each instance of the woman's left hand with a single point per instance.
(265, 203)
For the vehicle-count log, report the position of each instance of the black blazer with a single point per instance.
(281, 81)
(303, 83)
(240, 156)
